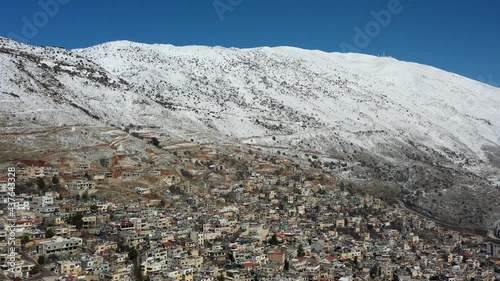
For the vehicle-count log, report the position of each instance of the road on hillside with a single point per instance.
(490, 235)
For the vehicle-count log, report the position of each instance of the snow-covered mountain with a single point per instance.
(296, 92)
(370, 119)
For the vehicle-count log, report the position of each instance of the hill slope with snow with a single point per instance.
(432, 136)
(300, 92)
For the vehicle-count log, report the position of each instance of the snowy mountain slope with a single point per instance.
(349, 92)
(43, 86)
(370, 119)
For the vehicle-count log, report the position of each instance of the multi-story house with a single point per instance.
(43, 201)
(149, 268)
(118, 275)
(79, 187)
(105, 247)
(89, 222)
(69, 267)
(21, 268)
(20, 205)
(59, 244)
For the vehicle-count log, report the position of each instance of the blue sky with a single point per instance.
(460, 36)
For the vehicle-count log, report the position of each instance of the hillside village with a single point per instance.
(221, 213)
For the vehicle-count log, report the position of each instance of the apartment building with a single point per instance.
(59, 244)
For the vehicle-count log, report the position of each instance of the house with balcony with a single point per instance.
(79, 187)
(68, 267)
(59, 244)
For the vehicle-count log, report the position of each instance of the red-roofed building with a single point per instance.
(167, 244)
(3, 184)
(36, 163)
(126, 224)
(27, 223)
(276, 256)
(165, 172)
(249, 265)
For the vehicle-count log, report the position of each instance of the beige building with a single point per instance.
(119, 275)
(192, 262)
(89, 222)
(105, 247)
(275, 256)
(54, 220)
(79, 187)
(21, 269)
(185, 274)
(340, 223)
(152, 268)
(69, 267)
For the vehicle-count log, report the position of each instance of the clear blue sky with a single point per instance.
(461, 36)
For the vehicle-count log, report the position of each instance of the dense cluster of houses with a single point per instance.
(231, 215)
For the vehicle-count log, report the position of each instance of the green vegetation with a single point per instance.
(49, 233)
(274, 240)
(300, 251)
(41, 260)
(186, 174)
(155, 142)
(94, 208)
(76, 220)
(35, 270)
(55, 180)
(40, 182)
(25, 240)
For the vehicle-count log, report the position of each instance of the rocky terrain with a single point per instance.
(396, 129)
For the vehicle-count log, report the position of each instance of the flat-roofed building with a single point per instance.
(59, 244)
